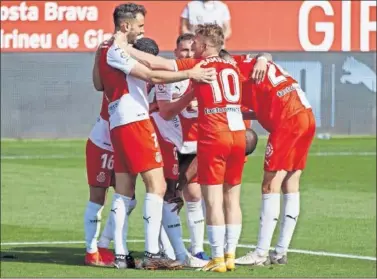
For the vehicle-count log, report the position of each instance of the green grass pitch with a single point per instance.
(44, 194)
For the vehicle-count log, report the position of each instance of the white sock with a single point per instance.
(195, 222)
(216, 237)
(152, 215)
(173, 228)
(291, 210)
(92, 225)
(107, 234)
(119, 217)
(132, 206)
(165, 245)
(268, 218)
(204, 208)
(233, 233)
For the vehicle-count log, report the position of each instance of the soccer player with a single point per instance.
(221, 146)
(133, 137)
(170, 218)
(99, 166)
(100, 173)
(174, 105)
(208, 41)
(281, 107)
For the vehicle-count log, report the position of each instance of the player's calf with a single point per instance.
(92, 218)
(233, 221)
(290, 214)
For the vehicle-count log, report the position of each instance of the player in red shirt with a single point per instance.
(100, 175)
(177, 120)
(133, 137)
(221, 146)
(281, 107)
(221, 143)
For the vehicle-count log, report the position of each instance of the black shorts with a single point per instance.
(185, 159)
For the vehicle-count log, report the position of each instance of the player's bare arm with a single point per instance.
(260, 67)
(151, 61)
(118, 58)
(169, 109)
(187, 174)
(249, 115)
(96, 78)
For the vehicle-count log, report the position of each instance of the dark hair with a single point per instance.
(251, 141)
(185, 37)
(127, 11)
(224, 54)
(147, 45)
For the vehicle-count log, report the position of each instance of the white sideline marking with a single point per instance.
(35, 157)
(308, 252)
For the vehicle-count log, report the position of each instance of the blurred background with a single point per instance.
(47, 53)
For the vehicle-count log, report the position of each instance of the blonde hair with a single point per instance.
(213, 33)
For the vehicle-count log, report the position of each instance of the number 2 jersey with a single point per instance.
(277, 98)
(219, 103)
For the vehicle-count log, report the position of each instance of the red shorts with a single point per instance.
(221, 158)
(136, 147)
(169, 155)
(99, 166)
(288, 146)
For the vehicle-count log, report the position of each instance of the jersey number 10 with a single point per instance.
(231, 93)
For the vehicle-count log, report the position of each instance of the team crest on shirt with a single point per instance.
(161, 88)
(158, 157)
(101, 177)
(269, 150)
(175, 169)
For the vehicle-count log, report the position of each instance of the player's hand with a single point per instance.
(199, 74)
(178, 199)
(260, 70)
(193, 106)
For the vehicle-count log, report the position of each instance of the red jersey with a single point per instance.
(277, 98)
(104, 108)
(219, 103)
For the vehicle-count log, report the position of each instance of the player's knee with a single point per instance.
(291, 183)
(272, 182)
(97, 194)
(192, 192)
(251, 141)
(154, 181)
(125, 184)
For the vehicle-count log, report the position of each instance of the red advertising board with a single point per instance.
(67, 26)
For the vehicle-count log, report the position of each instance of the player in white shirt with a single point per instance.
(133, 137)
(205, 11)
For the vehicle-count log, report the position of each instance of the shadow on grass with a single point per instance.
(48, 254)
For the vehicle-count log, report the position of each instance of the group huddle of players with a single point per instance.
(184, 125)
